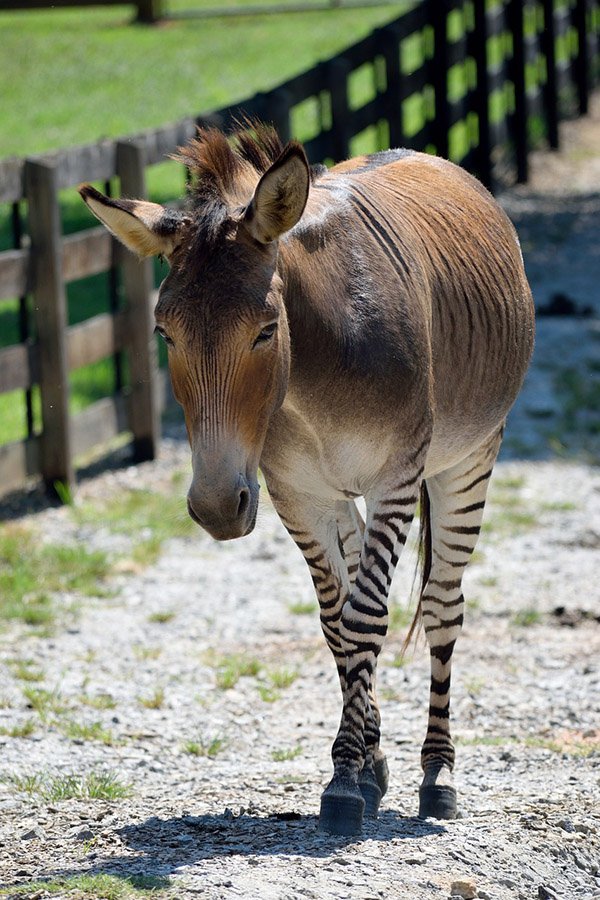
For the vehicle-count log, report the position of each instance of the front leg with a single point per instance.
(362, 631)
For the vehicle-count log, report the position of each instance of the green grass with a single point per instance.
(31, 572)
(155, 700)
(527, 617)
(19, 731)
(98, 701)
(162, 617)
(91, 887)
(148, 517)
(115, 79)
(52, 788)
(210, 748)
(302, 609)
(283, 677)
(230, 668)
(286, 755)
(26, 670)
(45, 702)
(79, 731)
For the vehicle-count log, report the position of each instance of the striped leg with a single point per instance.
(362, 631)
(374, 776)
(457, 498)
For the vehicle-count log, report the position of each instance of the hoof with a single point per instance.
(372, 797)
(382, 774)
(437, 801)
(341, 810)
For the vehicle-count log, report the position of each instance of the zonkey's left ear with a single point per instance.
(280, 196)
(146, 228)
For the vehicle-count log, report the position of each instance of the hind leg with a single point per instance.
(457, 499)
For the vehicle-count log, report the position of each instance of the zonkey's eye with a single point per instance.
(163, 335)
(266, 334)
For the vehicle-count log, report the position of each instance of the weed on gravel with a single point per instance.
(148, 517)
(93, 786)
(91, 887)
(210, 748)
(31, 572)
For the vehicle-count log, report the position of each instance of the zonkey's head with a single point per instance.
(220, 308)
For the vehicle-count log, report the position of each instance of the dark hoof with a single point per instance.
(382, 774)
(372, 797)
(341, 813)
(437, 801)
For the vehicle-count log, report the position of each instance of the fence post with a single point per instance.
(337, 76)
(582, 68)
(438, 17)
(390, 45)
(550, 88)
(138, 282)
(482, 94)
(149, 11)
(50, 310)
(279, 112)
(520, 124)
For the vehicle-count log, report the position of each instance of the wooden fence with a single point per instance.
(147, 11)
(476, 81)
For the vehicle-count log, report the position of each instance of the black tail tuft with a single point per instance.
(424, 561)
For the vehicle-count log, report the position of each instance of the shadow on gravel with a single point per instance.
(163, 846)
(264, 835)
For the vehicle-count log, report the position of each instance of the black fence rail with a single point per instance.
(479, 82)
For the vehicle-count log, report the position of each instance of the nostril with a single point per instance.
(244, 502)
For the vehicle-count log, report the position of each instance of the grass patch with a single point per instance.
(399, 617)
(232, 667)
(527, 617)
(91, 887)
(108, 65)
(286, 755)
(282, 678)
(149, 517)
(94, 731)
(302, 609)
(45, 702)
(210, 748)
(98, 701)
(570, 744)
(153, 701)
(26, 670)
(144, 653)
(19, 731)
(268, 694)
(31, 572)
(162, 617)
(52, 788)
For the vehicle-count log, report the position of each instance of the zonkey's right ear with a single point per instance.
(147, 229)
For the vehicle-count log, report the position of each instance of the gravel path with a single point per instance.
(225, 769)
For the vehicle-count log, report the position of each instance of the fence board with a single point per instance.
(96, 338)
(99, 423)
(19, 461)
(86, 253)
(19, 367)
(13, 273)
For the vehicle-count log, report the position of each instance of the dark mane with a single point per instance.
(224, 168)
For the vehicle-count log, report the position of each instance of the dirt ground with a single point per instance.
(199, 684)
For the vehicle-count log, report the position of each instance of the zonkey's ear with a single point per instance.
(146, 228)
(280, 196)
